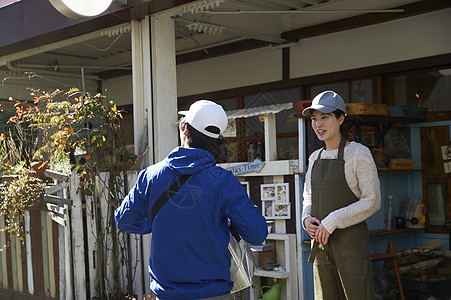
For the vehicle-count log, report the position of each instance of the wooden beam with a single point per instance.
(57, 200)
(56, 175)
(231, 48)
(55, 188)
(411, 9)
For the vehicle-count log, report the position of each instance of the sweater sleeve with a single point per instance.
(307, 193)
(364, 182)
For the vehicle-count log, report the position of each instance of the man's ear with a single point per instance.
(185, 130)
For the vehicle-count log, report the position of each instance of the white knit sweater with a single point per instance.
(361, 176)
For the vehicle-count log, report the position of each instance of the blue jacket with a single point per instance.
(189, 257)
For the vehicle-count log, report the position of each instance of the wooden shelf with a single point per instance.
(272, 274)
(388, 171)
(381, 232)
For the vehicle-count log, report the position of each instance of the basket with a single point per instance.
(407, 112)
(401, 164)
(366, 109)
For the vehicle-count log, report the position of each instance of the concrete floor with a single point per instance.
(13, 295)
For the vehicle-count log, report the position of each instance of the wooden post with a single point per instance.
(270, 137)
(78, 240)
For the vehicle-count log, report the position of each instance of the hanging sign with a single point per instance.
(81, 9)
(255, 166)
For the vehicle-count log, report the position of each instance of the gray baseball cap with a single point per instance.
(326, 102)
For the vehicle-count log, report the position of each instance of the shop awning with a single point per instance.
(260, 110)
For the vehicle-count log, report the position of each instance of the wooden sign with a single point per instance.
(57, 218)
(57, 200)
(56, 209)
(56, 188)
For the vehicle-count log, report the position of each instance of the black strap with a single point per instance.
(167, 195)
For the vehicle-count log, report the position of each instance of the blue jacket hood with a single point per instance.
(187, 161)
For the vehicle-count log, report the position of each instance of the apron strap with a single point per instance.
(341, 150)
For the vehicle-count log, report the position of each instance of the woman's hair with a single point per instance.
(196, 139)
(343, 127)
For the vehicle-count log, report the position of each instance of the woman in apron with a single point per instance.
(341, 191)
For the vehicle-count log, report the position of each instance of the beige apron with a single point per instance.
(342, 267)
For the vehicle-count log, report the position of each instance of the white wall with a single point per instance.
(404, 39)
(119, 89)
(230, 71)
(399, 40)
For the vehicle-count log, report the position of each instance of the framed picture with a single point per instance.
(268, 210)
(275, 191)
(268, 191)
(245, 184)
(275, 201)
(282, 211)
(282, 193)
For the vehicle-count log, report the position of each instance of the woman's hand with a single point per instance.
(311, 225)
(322, 235)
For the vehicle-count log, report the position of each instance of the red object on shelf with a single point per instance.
(303, 104)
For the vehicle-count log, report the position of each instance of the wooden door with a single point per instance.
(436, 183)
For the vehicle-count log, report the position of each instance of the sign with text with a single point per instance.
(255, 166)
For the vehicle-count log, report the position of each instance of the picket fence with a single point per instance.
(60, 258)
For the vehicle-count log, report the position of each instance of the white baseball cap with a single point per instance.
(205, 113)
(326, 102)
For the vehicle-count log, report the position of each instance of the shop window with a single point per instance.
(358, 91)
(429, 89)
(287, 148)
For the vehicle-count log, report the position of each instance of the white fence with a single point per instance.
(94, 258)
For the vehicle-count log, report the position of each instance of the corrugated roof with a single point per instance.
(260, 110)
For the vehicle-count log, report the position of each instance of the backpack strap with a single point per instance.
(171, 191)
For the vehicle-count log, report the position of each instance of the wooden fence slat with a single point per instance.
(65, 258)
(92, 247)
(3, 276)
(29, 255)
(13, 261)
(78, 239)
(146, 240)
(104, 213)
(23, 249)
(19, 264)
(45, 251)
(55, 234)
(36, 252)
(135, 246)
(51, 268)
(122, 239)
(9, 267)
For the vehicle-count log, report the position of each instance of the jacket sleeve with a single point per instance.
(132, 215)
(244, 215)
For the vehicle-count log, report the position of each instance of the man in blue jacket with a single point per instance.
(189, 257)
